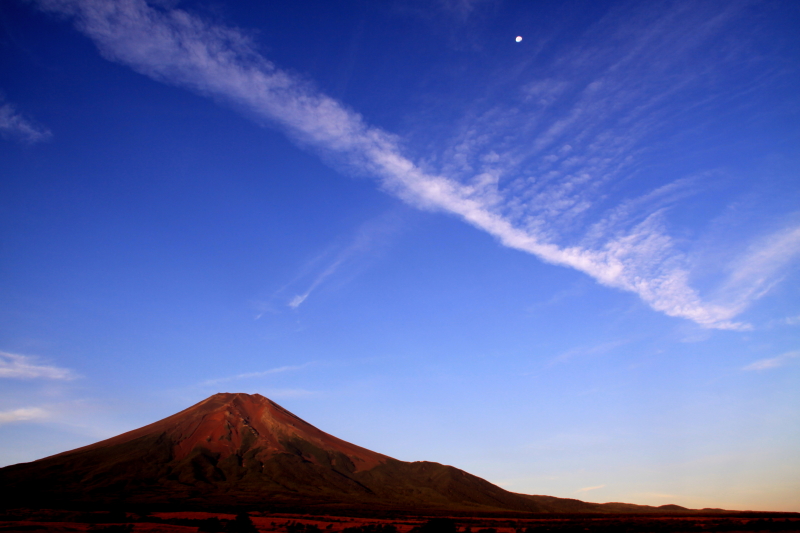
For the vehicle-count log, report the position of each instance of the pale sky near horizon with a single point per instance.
(567, 264)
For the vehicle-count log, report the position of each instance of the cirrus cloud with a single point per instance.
(773, 362)
(23, 414)
(14, 125)
(25, 367)
(483, 180)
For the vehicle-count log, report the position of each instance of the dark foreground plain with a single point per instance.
(63, 521)
(238, 462)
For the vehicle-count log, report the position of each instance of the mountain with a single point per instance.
(246, 450)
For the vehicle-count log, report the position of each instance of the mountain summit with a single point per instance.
(246, 429)
(240, 449)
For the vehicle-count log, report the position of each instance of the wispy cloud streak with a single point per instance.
(368, 237)
(249, 375)
(461, 8)
(593, 350)
(14, 125)
(587, 489)
(774, 362)
(532, 192)
(24, 367)
(25, 413)
(298, 299)
(759, 269)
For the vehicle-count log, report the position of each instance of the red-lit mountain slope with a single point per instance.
(239, 449)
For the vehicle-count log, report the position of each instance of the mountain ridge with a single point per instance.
(241, 449)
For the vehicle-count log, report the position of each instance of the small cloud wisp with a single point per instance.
(587, 489)
(23, 367)
(23, 414)
(248, 375)
(774, 362)
(13, 125)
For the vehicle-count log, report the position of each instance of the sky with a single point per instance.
(566, 263)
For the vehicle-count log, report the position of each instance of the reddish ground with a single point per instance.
(186, 522)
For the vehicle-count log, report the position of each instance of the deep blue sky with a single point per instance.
(568, 265)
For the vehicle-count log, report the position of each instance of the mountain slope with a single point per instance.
(239, 449)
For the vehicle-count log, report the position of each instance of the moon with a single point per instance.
(519, 38)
